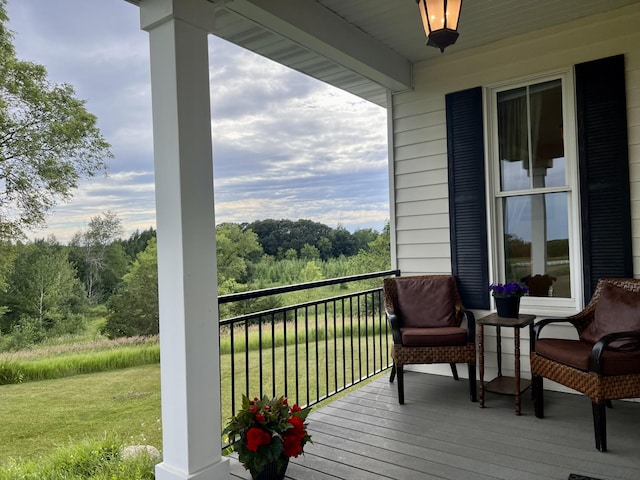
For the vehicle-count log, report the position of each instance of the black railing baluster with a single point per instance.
(260, 366)
(326, 348)
(284, 355)
(295, 326)
(273, 355)
(232, 369)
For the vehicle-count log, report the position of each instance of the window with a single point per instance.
(530, 164)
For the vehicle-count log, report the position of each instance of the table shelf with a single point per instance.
(506, 385)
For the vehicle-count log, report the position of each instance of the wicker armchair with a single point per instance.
(604, 363)
(425, 314)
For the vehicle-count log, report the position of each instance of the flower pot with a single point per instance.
(271, 471)
(508, 307)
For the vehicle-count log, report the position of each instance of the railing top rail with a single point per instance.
(234, 297)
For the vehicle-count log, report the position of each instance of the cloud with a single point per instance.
(284, 144)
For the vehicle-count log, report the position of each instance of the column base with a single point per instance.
(218, 471)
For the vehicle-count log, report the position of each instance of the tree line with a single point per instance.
(49, 289)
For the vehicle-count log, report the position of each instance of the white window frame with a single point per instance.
(539, 305)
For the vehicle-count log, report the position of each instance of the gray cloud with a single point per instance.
(285, 145)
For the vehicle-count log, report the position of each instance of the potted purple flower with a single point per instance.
(507, 297)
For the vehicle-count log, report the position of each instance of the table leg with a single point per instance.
(499, 350)
(481, 363)
(516, 339)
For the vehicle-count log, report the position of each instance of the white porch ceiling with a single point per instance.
(368, 46)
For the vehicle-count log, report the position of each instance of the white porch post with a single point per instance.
(189, 349)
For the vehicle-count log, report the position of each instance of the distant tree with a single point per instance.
(290, 254)
(377, 257)
(42, 286)
(343, 242)
(99, 261)
(137, 242)
(282, 235)
(48, 140)
(325, 248)
(133, 310)
(237, 250)
(7, 254)
(309, 252)
(363, 237)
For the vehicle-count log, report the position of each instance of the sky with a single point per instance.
(284, 145)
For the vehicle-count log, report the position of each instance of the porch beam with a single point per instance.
(187, 277)
(309, 24)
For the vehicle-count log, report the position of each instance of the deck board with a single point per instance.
(440, 434)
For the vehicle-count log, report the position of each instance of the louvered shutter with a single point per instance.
(467, 202)
(604, 171)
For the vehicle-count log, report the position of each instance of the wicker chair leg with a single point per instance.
(608, 403)
(473, 387)
(454, 371)
(393, 373)
(400, 372)
(600, 425)
(538, 395)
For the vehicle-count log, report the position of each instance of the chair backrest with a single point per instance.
(615, 308)
(582, 319)
(424, 300)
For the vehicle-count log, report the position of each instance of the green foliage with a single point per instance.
(100, 261)
(95, 459)
(43, 291)
(134, 309)
(48, 140)
(236, 250)
(137, 242)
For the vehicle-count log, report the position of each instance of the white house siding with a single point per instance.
(419, 134)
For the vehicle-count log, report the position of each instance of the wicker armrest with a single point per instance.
(394, 322)
(595, 360)
(471, 325)
(537, 328)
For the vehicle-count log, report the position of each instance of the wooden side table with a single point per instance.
(503, 384)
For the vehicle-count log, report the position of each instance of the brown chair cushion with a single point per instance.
(433, 337)
(427, 302)
(618, 310)
(576, 353)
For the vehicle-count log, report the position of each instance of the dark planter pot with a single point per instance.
(508, 307)
(271, 471)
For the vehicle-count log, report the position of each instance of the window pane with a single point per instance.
(536, 243)
(530, 137)
(513, 139)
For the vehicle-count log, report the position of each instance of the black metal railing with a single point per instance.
(309, 350)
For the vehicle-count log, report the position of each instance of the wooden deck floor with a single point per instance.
(440, 434)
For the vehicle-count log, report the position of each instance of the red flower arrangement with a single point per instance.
(267, 432)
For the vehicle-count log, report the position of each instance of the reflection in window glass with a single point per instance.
(536, 243)
(530, 137)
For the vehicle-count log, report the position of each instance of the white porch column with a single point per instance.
(187, 274)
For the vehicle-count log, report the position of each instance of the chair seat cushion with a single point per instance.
(618, 310)
(576, 353)
(433, 337)
(427, 302)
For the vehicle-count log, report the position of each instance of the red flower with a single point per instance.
(296, 408)
(257, 437)
(298, 426)
(253, 409)
(292, 445)
(260, 418)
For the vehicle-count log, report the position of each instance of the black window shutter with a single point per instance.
(604, 171)
(467, 204)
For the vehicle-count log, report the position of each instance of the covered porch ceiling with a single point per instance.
(367, 47)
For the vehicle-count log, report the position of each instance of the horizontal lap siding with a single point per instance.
(419, 116)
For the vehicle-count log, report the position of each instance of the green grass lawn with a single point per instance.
(39, 417)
